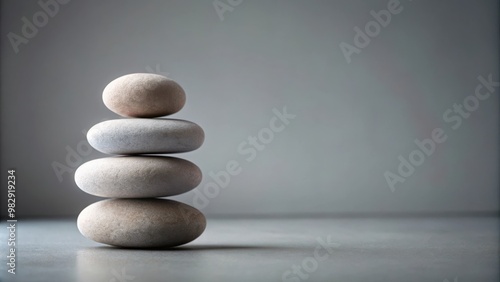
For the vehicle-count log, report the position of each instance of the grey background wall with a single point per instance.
(352, 120)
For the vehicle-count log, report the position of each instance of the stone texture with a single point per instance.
(144, 95)
(145, 136)
(141, 223)
(137, 177)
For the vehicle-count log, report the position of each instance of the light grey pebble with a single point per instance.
(137, 177)
(143, 95)
(145, 136)
(141, 223)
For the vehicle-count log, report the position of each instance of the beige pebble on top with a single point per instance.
(144, 95)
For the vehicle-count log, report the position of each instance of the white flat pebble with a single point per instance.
(145, 136)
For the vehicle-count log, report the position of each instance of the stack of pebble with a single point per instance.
(134, 217)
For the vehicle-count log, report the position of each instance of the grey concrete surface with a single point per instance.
(362, 249)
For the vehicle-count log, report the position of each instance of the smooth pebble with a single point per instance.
(141, 223)
(145, 136)
(144, 95)
(137, 177)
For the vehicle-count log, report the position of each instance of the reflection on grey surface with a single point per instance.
(339, 249)
(194, 263)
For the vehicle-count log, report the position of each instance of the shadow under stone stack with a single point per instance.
(135, 218)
